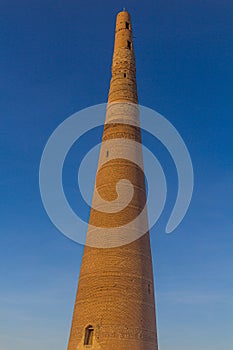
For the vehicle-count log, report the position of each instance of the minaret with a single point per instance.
(114, 307)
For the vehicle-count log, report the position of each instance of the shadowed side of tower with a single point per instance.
(114, 307)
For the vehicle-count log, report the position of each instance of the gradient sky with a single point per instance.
(55, 60)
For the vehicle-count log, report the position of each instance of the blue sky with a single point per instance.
(55, 60)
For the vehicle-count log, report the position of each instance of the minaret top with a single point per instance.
(123, 83)
(123, 20)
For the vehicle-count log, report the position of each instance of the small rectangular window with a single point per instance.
(127, 25)
(129, 44)
(124, 75)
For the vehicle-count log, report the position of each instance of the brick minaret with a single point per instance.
(114, 308)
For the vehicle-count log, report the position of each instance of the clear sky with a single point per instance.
(55, 60)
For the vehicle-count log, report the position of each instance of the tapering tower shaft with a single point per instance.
(114, 307)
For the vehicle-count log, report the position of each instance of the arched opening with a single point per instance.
(88, 338)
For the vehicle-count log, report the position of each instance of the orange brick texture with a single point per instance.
(115, 293)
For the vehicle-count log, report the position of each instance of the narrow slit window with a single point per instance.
(88, 339)
(107, 153)
(127, 26)
(129, 45)
(124, 75)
